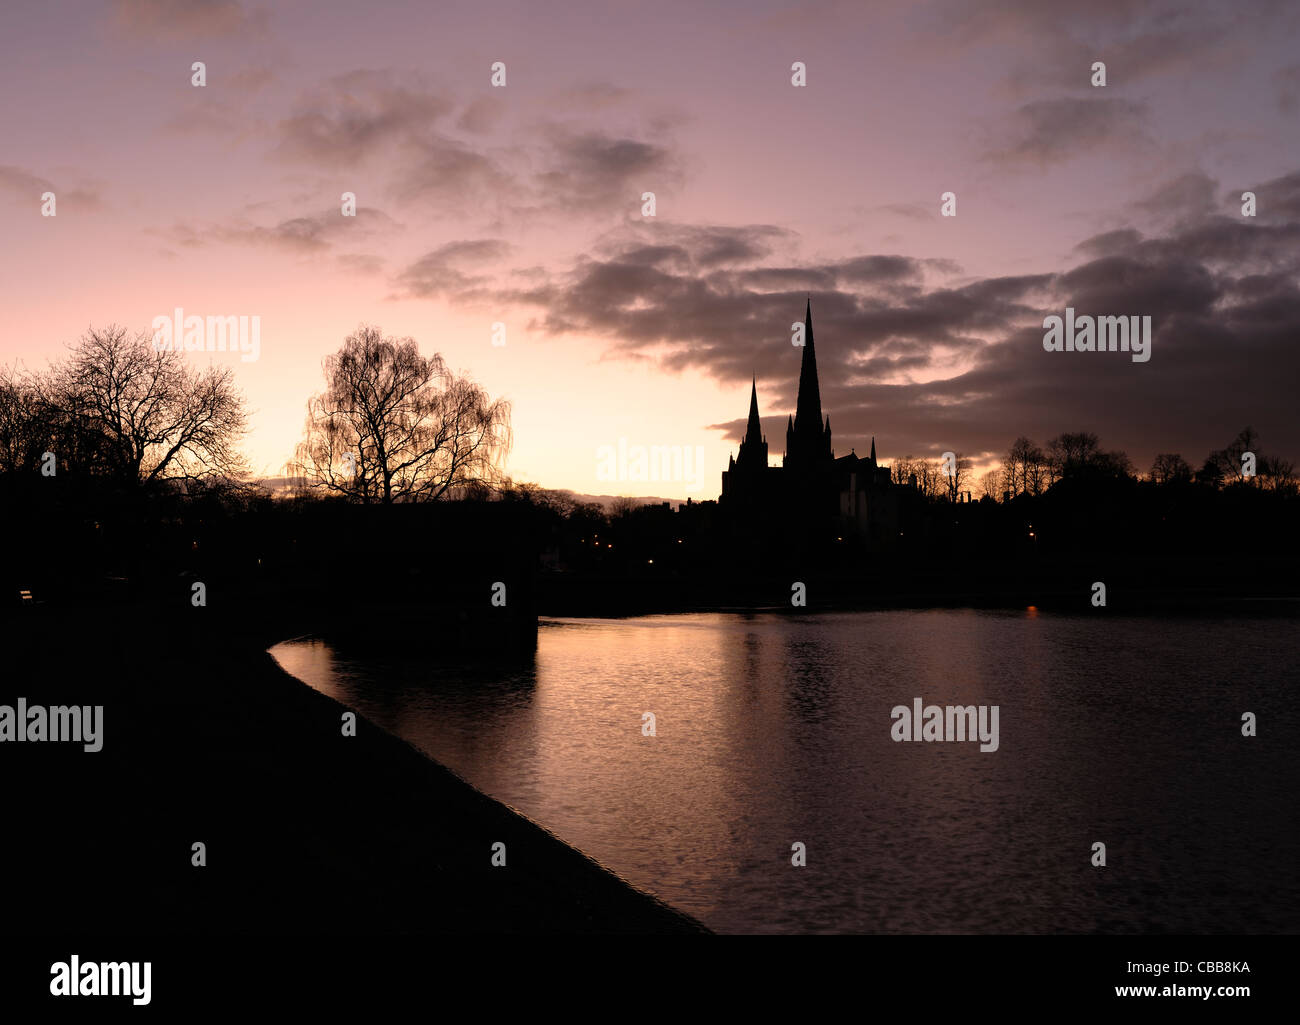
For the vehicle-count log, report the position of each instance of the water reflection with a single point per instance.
(810, 675)
(772, 730)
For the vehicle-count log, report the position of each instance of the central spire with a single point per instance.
(808, 409)
(754, 429)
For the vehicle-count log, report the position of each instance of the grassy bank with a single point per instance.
(207, 740)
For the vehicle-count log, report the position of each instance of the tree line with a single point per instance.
(1029, 469)
(392, 426)
(389, 426)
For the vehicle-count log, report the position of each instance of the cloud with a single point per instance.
(438, 171)
(21, 182)
(409, 129)
(592, 96)
(1048, 132)
(1278, 200)
(909, 211)
(926, 366)
(1108, 242)
(1188, 197)
(357, 116)
(187, 19)
(361, 263)
(481, 115)
(25, 187)
(303, 235)
(1287, 81)
(1051, 44)
(600, 170)
(440, 273)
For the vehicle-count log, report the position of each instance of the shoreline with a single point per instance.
(207, 739)
(410, 751)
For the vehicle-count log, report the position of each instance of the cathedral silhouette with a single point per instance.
(811, 491)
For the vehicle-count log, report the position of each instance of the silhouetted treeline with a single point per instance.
(120, 480)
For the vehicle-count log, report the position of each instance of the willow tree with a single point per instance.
(395, 426)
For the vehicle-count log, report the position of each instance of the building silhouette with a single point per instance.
(811, 492)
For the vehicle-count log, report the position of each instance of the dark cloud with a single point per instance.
(358, 116)
(438, 170)
(1119, 240)
(1051, 44)
(440, 272)
(596, 169)
(1277, 200)
(1186, 198)
(710, 246)
(930, 368)
(407, 129)
(1048, 132)
(303, 235)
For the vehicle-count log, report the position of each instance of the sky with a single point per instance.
(522, 205)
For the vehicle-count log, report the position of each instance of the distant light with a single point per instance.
(609, 546)
(650, 561)
(679, 540)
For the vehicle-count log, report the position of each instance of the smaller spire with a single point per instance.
(873, 448)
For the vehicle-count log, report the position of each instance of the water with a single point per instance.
(774, 730)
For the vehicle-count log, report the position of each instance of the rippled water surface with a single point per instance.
(775, 729)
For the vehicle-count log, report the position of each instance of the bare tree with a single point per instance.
(24, 423)
(119, 407)
(1228, 461)
(929, 481)
(1025, 468)
(395, 426)
(1071, 453)
(1170, 468)
(623, 506)
(991, 485)
(1278, 474)
(957, 481)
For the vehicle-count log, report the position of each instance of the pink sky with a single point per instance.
(523, 205)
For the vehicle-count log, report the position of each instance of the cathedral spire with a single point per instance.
(808, 409)
(754, 430)
(753, 449)
(873, 448)
(809, 440)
